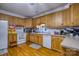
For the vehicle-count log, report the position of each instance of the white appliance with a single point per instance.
(21, 36)
(47, 41)
(3, 36)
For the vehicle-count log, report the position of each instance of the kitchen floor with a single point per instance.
(25, 50)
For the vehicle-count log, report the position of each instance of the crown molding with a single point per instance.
(11, 14)
(54, 10)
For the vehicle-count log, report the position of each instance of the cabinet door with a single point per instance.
(56, 43)
(75, 14)
(34, 23)
(27, 37)
(40, 41)
(36, 38)
(32, 38)
(43, 19)
(14, 37)
(66, 15)
(71, 52)
(9, 39)
(49, 20)
(58, 19)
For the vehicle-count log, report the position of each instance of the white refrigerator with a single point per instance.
(3, 36)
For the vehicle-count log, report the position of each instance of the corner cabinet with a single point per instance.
(56, 43)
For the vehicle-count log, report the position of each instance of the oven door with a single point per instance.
(21, 38)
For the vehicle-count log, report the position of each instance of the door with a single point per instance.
(3, 34)
(47, 41)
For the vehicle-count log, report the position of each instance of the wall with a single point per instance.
(16, 20)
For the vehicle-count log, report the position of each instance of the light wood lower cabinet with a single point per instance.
(71, 52)
(56, 43)
(36, 38)
(27, 37)
(12, 39)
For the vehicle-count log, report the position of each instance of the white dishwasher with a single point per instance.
(47, 41)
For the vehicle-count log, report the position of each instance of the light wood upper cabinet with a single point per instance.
(50, 22)
(54, 20)
(71, 16)
(35, 22)
(16, 20)
(66, 16)
(58, 19)
(75, 14)
(28, 23)
(43, 20)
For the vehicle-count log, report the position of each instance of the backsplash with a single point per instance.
(54, 31)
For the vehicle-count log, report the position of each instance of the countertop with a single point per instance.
(47, 34)
(70, 43)
(41, 33)
(12, 33)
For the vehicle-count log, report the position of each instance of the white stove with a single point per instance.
(21, 36)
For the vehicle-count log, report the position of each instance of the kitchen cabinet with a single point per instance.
(43, 20)
(32, 37)
(75, 14)
(12, 39)
(56, 43)
(71, 52)
(58, 19)
(27, 37)
(35, 22)
(50, 20)
(28, 23)
(66, 16)
(36, 38)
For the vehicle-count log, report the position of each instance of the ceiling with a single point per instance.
(30, 9)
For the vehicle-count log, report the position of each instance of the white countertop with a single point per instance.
(70, 43)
